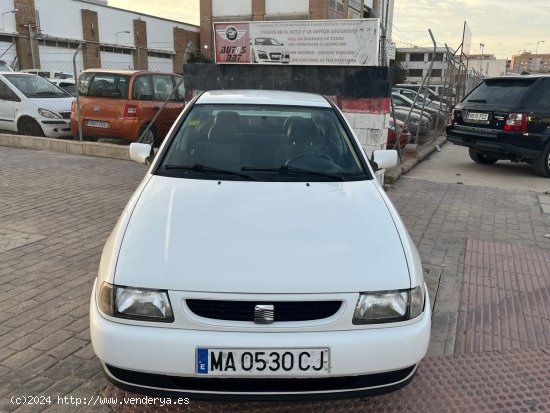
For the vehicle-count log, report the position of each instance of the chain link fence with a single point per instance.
(114, 108)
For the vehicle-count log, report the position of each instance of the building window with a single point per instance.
(65, 44)
(400, 57)
(415, 73)
(436, 72)
(159, 54)
(110, 49)
(416, 57)
(438, 57)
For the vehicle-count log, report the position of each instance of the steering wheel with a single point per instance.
(304, 155)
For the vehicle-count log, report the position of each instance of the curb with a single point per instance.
(104, 150)
(413, 159)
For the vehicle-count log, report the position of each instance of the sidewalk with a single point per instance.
(485, 249)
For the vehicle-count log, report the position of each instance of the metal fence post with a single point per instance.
(79, 114)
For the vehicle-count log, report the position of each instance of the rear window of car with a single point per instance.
(500, 91)
(104, 85)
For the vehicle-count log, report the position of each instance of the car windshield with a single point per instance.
(68, 87)
(265, 143)
(104, 85)
(268, 42)
(33, 86)
(499, 91)
(4, 67)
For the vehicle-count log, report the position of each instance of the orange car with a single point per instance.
(122, 103)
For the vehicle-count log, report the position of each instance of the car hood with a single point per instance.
(261, 237)
(53, 104)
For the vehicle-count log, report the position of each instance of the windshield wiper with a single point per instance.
(288, 170)
(208, 169)
(477, 100)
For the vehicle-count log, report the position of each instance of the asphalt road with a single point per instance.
(453, 165)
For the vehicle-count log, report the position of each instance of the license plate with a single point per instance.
(97, 123)
(262, 362)
(478, 117)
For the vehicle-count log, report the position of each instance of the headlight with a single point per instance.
(135, 303)
(389, 306)
(48, 114)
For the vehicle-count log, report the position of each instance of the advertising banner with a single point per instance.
(298, 42)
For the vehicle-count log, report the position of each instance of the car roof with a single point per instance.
(263, 97)
(19, 74)
(124, 72)
(516, 77)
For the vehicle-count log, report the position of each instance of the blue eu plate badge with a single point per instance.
(202, 361)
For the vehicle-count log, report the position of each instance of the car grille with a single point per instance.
(283, 310)
(65, 115)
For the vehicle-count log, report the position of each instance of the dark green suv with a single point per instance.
(506, 118)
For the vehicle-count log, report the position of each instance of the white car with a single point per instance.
(30, 105)
(260, 258)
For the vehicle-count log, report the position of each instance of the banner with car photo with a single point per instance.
(298, 42)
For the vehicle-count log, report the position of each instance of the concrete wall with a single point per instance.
(116, 60)
(95, 24)
(56, 58)
(8, 53)
(221, 8)
(286, 7)
(9, 18)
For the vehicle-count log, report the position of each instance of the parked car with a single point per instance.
(432, 94)
(5, 67)
(434, 104)
(30, 105)
(506, 118)
(49, 74)
(395, 127)
(68, 85)
(401, 100)
(415, 121)
(255, 264)
(122, 103)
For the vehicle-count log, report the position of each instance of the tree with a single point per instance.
(399, 73)
(197, 57)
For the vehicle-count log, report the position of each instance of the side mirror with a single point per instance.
(384, 159)
(141, 153)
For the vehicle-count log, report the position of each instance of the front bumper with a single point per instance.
(56, 128)
(160, 360)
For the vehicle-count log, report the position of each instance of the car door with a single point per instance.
(538, 108)
(163, 86)
(9, 106)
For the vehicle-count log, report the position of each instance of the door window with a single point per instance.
(6, 93)
(142, 88)
(162, 86)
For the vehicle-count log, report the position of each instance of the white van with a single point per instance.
(49, 74)
(31, 105)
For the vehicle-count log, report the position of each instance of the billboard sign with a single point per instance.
(466, 41)
(352, 42)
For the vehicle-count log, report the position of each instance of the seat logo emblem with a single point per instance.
(264, 313)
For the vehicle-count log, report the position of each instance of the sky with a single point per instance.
(505, 27)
